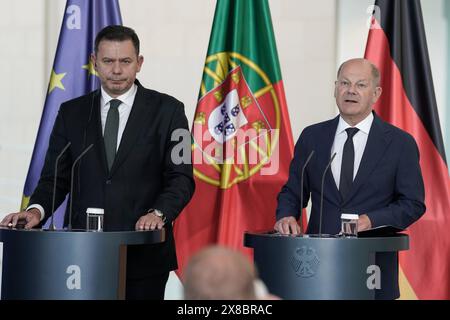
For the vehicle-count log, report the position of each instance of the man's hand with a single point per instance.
(364, 222)
(150, 221)
(287, 225)
(32, 218)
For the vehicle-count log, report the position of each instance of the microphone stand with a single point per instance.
(52, 226)
(321, 193)
(301, 188)
(69, 227)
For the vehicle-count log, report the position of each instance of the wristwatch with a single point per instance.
(158, 213)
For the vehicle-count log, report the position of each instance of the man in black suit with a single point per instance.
(375, 174)
(130, 171)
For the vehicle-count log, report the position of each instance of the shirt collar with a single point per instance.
(126, 98)
(363, 126)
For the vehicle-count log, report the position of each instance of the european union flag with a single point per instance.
(72, 75)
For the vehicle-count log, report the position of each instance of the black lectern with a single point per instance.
(308, 267)
(67, 265)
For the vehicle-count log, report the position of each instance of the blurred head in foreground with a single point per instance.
(219, 273)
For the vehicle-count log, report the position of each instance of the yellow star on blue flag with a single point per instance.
(55, 81)
(90, 68)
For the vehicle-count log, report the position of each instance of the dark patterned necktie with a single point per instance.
(348, 163)
(111, 131)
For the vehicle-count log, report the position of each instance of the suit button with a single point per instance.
(108, 181)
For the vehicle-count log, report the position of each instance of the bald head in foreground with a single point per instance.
(219, 273)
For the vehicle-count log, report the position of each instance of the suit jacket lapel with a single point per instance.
(324, 150)
(135, 124)
(94, 131)
(377, 142)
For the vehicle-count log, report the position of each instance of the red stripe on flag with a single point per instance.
(427, 263)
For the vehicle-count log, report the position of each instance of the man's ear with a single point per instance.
(140, 61)
(94, 60)
(377, 94)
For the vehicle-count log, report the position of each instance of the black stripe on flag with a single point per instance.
(403, 25)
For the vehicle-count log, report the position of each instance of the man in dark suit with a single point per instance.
(375, 173)
(130, 171)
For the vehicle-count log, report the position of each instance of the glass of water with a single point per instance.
(349, 225)
(94, 219)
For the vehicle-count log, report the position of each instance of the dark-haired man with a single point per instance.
(129, 172)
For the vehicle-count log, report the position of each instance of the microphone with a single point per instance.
(321, 193)
(52, 226)
(301, 187)
(69, 227)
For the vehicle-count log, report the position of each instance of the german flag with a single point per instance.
(397, 45)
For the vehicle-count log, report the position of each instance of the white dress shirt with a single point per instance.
(359, 141)
(124, 113)
(124, 109)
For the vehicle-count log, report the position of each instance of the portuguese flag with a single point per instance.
(397, 45)
(242, 139)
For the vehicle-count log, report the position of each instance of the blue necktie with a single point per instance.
(348, 163)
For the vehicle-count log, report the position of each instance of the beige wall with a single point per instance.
(22, 86)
